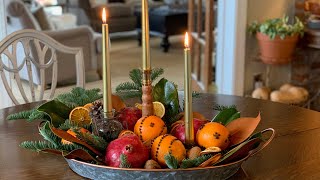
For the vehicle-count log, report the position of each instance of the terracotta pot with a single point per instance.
(276, 51)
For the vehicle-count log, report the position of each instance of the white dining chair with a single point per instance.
(30, 51)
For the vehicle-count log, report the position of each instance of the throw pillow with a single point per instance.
(96, 3)
(42, 19)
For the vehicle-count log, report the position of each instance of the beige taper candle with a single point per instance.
(147, 105)
(188, 118)
(107, 92)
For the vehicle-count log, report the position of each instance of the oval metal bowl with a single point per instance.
(225, 171)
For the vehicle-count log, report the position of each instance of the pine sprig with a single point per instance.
(127, 87)
(156, 73)
(124, 161)
(68, 125)
(38, 145)
(79, 97)
(95, 141)
(189, 163)
(171, 161)
(20, 115)
(221, 107)
(29, 115)
(136, 76)
(134, 88)
(44, 145)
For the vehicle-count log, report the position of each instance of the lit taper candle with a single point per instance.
(107, 93)
(147, 105)
(188, 94)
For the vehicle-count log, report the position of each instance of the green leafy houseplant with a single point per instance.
(277, 39)
(278, 27)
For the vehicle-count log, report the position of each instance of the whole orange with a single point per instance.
(213, 134)
(167, 144)
(149, 127)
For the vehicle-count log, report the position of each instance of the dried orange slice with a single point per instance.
(88, 106)
(138, 105)
(158, 108)
(80, 116)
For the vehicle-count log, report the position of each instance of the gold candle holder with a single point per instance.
(188, 117)
(147, 105)
(107, 92)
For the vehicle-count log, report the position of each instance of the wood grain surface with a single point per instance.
(293, 154)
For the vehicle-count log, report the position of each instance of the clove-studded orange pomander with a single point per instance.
(167, 144)
(213, 134)
(149, 127)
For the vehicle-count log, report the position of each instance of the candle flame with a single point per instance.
(104, 16)
(186, 40)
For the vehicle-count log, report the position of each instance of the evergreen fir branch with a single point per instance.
(156, 73)
(38, 145)
(68, 125)
(133, 89)
(73, 146)
(136, 76)
(189, 163)
(79, 97)
(29, 115)
(124, 161)
(36, 115)
(20, 115)
(43, 145)
(127, 87)
(171, 161)
(221, 107)
(95, 141)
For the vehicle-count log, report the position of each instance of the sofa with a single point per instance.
(19, 16)
(121, 16)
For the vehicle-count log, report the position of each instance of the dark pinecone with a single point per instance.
(96, 114)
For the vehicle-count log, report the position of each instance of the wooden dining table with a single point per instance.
(294, 153)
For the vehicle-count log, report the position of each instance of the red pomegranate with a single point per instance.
(178, 128)
(129, 116)
(131, 146)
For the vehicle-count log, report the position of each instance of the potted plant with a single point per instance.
(277, 39)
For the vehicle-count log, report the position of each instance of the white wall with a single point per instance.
(262, 10)
(4, 99)
(231, 46)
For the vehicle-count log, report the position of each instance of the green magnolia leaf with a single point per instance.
(47, 134)
(226, 116)
(57, 111)
(166, 93)
(240, 151)
(80, 154)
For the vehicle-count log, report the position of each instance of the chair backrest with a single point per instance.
(32, 41)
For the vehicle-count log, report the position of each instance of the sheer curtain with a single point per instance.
(4, 99)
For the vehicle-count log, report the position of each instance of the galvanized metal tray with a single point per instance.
(93, 171)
